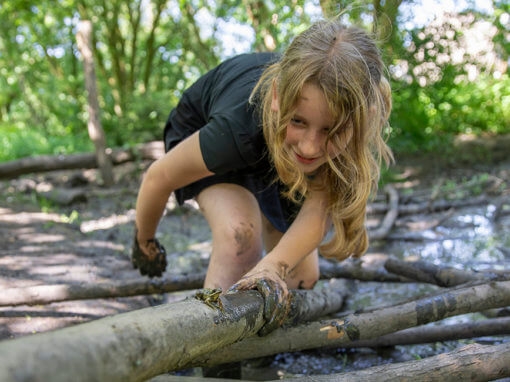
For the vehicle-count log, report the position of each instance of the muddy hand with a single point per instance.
(153, 263)
(269, 282)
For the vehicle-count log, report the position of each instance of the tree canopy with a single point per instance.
(148, 51)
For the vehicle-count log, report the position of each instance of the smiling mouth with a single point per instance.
(305, 160)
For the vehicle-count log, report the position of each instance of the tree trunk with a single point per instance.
(96, 133)
(42, 163)
(470, 363)
(45, 294)
(138, 345)
(360, 326)
(431, 334)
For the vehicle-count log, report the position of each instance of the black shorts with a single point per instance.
(280, 211)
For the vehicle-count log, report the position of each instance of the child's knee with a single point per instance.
(306, 281)
(243, 240)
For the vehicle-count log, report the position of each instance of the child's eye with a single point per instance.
(296, 121)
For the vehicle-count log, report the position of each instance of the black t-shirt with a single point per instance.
(217, 104)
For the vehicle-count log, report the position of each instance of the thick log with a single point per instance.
(390, 217)
(473, 362)
(431, 334)
(443, 276)
(366, 268)
(353, 327)
(408, 209)
(141, 344)
(44, 163)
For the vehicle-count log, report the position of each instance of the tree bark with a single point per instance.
(42, 163)
(440, 275)
(390, 217)
(353, 327)
(45, 294)
(96, 133)
(430, 334)
(138, 345)
(470, 363)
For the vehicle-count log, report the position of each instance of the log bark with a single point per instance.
(441, 275)
(138, 345)
(366, 268)
(44, 163)
(469, 363)
(430, 334)
(390, 217)
(353, 327)
(96, 133)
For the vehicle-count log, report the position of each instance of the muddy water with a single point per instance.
(467, 239)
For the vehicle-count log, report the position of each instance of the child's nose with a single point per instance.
(311, 145)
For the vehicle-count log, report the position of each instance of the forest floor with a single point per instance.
(89, 240)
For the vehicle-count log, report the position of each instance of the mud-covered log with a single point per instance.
(141, 344)
(430, 334)
(368, 268)
(440, 275)
(44, 163)
(353, 327)
(473, 362)
(45, 294)
(390, 217)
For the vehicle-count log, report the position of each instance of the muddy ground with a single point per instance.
(89, 240)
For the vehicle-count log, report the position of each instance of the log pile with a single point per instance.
(142, 344)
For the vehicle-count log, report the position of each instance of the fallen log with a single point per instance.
(407, 209)
(353, 327)
(389, 219)
(363, 269)
(473, 362)
(144, 343)
(44, 163)
(431, 334)
(441, 275)
(45, 294)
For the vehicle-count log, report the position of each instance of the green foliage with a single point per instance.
(148, 51)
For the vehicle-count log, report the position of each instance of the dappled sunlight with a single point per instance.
(23, 218)
(107, 222)
(101, 244)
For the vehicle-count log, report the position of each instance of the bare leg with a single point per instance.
(306, 273)
(234, 218)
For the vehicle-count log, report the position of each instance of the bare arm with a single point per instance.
(179, 167)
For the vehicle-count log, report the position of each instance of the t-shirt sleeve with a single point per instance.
(219, 147)
(231, 141)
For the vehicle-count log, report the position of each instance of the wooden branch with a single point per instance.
(44, 294)
(138, 345)
(407, 209)
(42, 163)
(390, 217)
(473, 362)
(338, 332)
(430, 334)
(441, 275)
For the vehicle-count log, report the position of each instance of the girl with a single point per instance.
(275, 150)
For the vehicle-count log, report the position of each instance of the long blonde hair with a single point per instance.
(345, 64)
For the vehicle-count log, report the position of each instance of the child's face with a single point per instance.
(308, 129)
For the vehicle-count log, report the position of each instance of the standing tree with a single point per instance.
(96, 133)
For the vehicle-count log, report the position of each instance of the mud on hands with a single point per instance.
(150, 264)
(268, 279)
